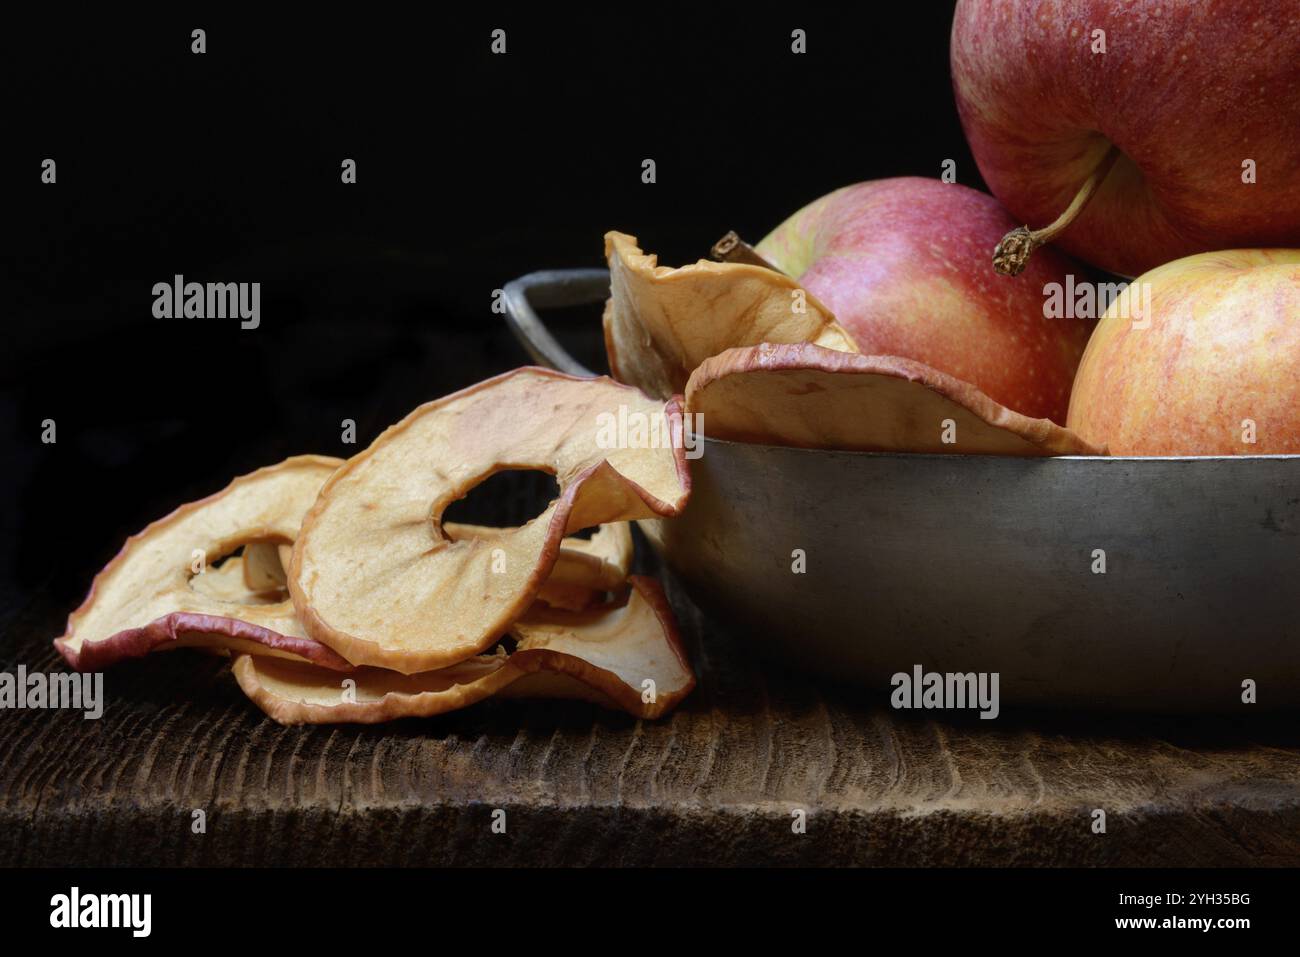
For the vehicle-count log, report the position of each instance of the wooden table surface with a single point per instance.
(715, 783)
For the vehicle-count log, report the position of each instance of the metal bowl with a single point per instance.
(1155, 584)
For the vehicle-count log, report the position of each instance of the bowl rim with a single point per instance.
(955, 456)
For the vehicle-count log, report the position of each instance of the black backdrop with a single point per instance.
(472, 168)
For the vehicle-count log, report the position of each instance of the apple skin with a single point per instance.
(904, 265)
(1222, 346)
(1187, 91)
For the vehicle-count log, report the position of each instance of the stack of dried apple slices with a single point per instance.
(351, 601)
(763, 361)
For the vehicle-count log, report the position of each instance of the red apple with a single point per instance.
(1188, 93)
(904, 265)
(1215, 370)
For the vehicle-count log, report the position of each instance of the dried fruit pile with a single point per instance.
(352, 601)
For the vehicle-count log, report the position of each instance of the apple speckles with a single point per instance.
(1021, 97)
(1170, 389)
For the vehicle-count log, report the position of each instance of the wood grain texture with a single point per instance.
(713, 784)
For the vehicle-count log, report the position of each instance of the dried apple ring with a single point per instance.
(625, 656)
(375, 576)
(806, 396)
(660, 323)
(145, 599)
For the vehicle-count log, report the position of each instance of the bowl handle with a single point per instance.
(550, 289)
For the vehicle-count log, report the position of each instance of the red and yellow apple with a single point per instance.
(904, 266)
(1197, 98)
(1213, 370)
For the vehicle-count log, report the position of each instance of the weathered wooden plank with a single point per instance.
(716, 783)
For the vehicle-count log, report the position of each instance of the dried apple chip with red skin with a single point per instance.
(144, 599)
(809, 397)
(225, 582)
(604, 655)
(661, 323)
(375, 576)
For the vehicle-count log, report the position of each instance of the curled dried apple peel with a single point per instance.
(626, 656)
(661, 323)
(376, 577)
(145, 599)
(806, 396)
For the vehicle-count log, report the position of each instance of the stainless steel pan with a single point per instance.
(988, 563)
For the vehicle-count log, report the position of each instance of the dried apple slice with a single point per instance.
(660, 323)
(145, 597)
(627, 656)
(374, 575)
(617, 656)
(806, 396)
(293, 692)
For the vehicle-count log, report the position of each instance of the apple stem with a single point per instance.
(732, 249)
(1013, 251)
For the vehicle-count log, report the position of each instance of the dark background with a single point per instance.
(472, 169)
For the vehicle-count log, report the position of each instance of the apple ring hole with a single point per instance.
(507, 497)
(244, 571)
